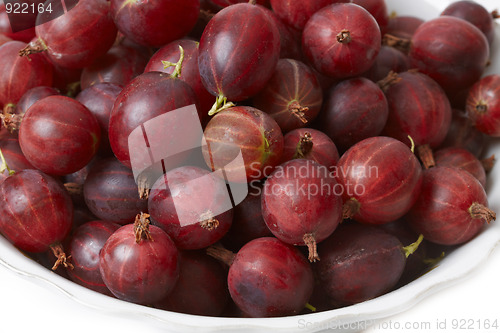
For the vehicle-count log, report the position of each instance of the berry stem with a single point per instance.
(425, 154)
(74, 188)
(351, 207)
(141, 228)
(11, 121)
(4, 165)
(304, 147)
(206, 15)
(209, 222)
(36, 46)
(397, 43)
(220, 253)
(72, 89)
(478, 211)
(58, 251)
(344, 37)
(9, 108)
(391, 79)
(310, 307)
(310, 242)
(412, 148)
(495, 14)
(298, 111)
(433, 261)
(481, 107)
(143, 187)
(488, 163)
(177, 65)
(220, 104)
(410, 249)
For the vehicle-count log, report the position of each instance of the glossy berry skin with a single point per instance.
(451, 51)
(463, 159)
(269, 278)
(9, 144)
(416, 263)
(474, 13)
(388, 59)
(341, 40)
(76, 39)
(289, 39)
(82, 215)
(184, 199)
(86, 242)
(4, 39)
(483, 105)
(237, 63)
(383, 176)
(65, 78)
(322, 149)
(64, 129)
(155, 23)
(354, 110)
(143, 272)
(128, 43)
(147, 96)
(119, 66)
(189, 71)
(100, 99)
(248, 222)
(206, 7)
(418, 107)
(36, 211)
(80, 176)
(463, 134)
(111, 193)
(74, 184)
(20, 74)
(245, 129)
(359, 263)
(301, 200)
(442, 212)
(293, 95)
(225, 3)
(403, 26)
(378, 9)
(34, 95)
(201, 288)
(297, 13)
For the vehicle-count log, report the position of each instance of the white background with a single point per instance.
(28, 307)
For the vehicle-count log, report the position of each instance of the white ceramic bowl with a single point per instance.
(450, 270)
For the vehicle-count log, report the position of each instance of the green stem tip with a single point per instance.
(177, 65)
(220, 104)
(4, 165)
(410, 249)
(433, 261)
(412, 148)
(310, 307)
